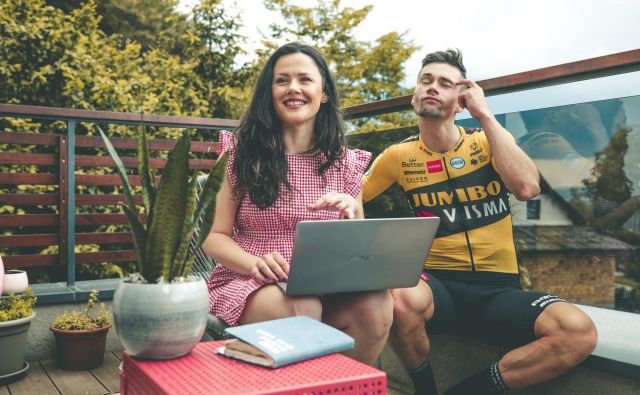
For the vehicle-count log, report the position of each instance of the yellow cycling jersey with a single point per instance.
(461, 187)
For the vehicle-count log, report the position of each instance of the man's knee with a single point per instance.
(580, 333)
(374, 312)
(411, 308)
(411, 302)
(571, 331)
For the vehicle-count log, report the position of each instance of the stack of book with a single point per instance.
(284, 341)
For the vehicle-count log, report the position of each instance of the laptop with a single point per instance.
(359, 255)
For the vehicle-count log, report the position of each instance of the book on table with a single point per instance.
(284, 341)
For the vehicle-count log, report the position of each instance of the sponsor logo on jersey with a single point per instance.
(465, 216)
(476, 152)
(478, 211)
(474, 161)
(426, 151)
(412, 163)
(410, 172)
(457, 147)
(468, 194)
(473, 146)
(483, 158)
(435, 166)
(478, 199)
(413, 180)
(457, 162)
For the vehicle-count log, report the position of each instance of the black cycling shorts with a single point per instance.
(503, 314)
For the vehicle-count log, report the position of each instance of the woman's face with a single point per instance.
(297, 90)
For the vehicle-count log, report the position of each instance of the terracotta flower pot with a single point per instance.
(80, 350)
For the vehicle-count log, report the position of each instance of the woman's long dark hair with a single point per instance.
(260, 163)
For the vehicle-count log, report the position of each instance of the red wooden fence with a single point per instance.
(41, 222)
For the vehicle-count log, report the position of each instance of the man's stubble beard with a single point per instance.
(429, 114)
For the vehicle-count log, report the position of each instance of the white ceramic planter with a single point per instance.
(15, 281)
(160, 321)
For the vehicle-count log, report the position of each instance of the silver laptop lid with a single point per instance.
(359, 255)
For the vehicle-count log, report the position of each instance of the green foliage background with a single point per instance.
(142, 56)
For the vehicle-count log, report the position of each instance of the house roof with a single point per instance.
(573, 214)
(566, 238)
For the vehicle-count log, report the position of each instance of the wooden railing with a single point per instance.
(51, 171)
(55, 220)
(65, 215)
(619, 63)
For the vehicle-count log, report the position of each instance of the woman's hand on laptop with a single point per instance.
(343, 202)
(270, 266)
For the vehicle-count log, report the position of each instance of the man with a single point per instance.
(471, 281)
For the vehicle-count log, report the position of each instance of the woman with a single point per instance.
(288, 162)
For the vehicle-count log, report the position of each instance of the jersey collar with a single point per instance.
(424, 148)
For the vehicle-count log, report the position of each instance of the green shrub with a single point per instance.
(15, 307)
(83, 320)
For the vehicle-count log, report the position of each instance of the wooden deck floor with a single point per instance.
(45, 378)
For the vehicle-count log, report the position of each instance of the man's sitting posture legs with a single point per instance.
(412, 307)
(563, 337)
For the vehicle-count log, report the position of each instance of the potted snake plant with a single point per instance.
(161, 312)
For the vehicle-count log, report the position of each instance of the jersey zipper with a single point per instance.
(466, 233)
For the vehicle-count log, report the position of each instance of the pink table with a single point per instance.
(205, 372)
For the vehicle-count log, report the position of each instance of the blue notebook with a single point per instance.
(284, 341)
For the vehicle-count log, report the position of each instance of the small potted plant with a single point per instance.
(16, 314)
(161, 312)
(81, 336)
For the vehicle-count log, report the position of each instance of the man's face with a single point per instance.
(436, 95)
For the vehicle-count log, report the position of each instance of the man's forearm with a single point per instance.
(516, 169)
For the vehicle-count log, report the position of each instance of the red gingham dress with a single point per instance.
(273, 229)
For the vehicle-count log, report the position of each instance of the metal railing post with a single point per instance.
(71, 203)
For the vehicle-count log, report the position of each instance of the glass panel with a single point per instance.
(533, 209)
(577, 239)
(610, 87)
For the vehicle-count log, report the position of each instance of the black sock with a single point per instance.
(485, 382)
(422, 377)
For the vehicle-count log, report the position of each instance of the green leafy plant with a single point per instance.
(172, 209)
(83, 320)
(14, 307)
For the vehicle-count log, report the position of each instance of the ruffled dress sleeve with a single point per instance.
(355, 163)
(227, 143)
